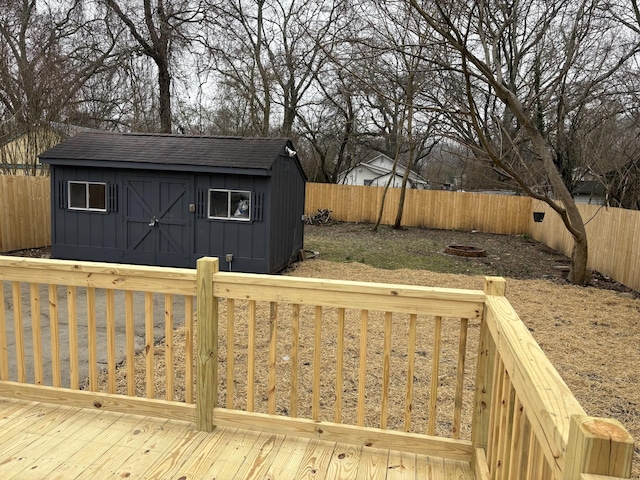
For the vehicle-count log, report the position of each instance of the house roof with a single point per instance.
(166, 149)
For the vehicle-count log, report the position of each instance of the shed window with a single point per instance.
(90, 196)
(230, 204)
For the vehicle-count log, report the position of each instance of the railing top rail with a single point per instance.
(351, 294)
(180, 281)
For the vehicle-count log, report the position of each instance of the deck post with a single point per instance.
(484, 373)
(207, 337)
(600, 446)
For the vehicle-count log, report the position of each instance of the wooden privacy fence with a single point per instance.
(25, 218)
(613, 235)
(423, 208)
(507, 412)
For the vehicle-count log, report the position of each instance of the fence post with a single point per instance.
(599, 446)
(207, 336)
(484, 374)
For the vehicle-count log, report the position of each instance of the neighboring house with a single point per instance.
(168, 200)
(377, 172)
(589, 191)
(19, 149)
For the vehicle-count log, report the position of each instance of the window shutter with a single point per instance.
(62, 197)
(112, 197)
(201, 210)
(258, 201)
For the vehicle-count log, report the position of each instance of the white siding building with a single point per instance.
(377, 172)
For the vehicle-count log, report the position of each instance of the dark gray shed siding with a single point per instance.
(142, 181)
(286, 235)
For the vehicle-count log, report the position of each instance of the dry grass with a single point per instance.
(590, 335)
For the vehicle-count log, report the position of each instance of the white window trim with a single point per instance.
(229, 206)
(86, 184)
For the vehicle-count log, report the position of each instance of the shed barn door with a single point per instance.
(157, 220)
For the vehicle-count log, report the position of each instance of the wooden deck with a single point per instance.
(41, 441)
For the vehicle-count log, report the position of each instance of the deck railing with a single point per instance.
(98, 314)
(451, 373)
(527, 423)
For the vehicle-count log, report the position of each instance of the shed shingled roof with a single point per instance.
(166, 149)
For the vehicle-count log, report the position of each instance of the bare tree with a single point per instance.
(49, 52)
(157, 28)
(271, 53)
(515, 62)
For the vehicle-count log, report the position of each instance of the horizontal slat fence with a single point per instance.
(25, 219)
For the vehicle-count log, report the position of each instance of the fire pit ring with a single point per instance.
(465, 251)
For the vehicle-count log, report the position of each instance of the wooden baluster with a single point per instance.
(4, 353)
(130, 345)
(519, 436)
(339, 366)
(18, 332)
(251, 357)
(386, 367)
(188, 328)
(149, 347)
(317, 362)
(36, 333)
(91, 339)
(54, 333)
(273, 348)
(506, 428)
(73, 337)
(362, 370)
(295, 359)
(231, 315)
(411, 364)
(462, 355)
(168, 345)
(435, 376)
(111, 339)
(494, 418)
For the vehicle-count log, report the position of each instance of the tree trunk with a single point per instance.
(164, 84)
(570, 214)
(384, 194)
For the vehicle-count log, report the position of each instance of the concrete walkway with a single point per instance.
(81, 309)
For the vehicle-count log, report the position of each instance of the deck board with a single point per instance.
(40, 441)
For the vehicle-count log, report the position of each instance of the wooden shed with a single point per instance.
(158, 199)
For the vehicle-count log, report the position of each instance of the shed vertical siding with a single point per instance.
(287, 208)
(80, 234)
(158, 192)
(245, 240)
